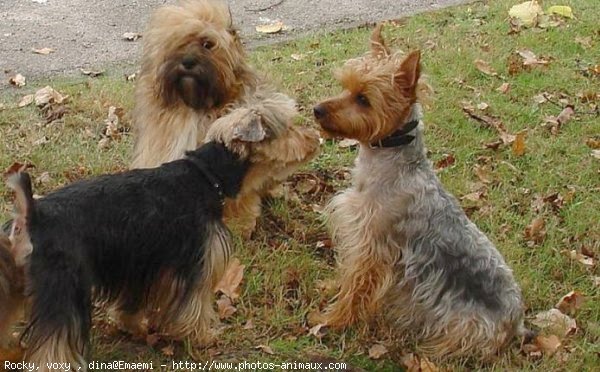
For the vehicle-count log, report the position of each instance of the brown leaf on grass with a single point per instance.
(43, 179)
(474, 196)
(548, 345)
(596, 281)
(504, 88)
(18, 80)
(596, 154)
(26, 100)
(485, 67)
(446, 161)
(530, 59)
(583, 259)
(482, 172)
(593, 143)
(316, 331)
(414, 363)
(541, 98)
(265, 348)
(565, 115)
(54, 112)
(515, 65)
(518, 146)
(48, 95)
(225, 307)
(43, 51)
(248, 325)
(555, 322)
(485, 120)
(570, 303)
(377, 351)
(168, 350)
(535, 233)
(306, 185)
(229, 285)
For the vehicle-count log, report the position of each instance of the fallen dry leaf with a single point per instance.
(249, 324)
(526, 13)
(43, 51)
(584, 41)
(230, 283)
(586, 261)
(270, 28)
(131, 36)
(26, 100)
(297, 57)
(504, 88)
(446, 161)
(225, 307)
(596, 154)
(265, 348)
(414, 363)
(48, 95)
(596, 281)
(548, 345)
(482, 106)
(482, 173)
(518, 146)
(530, 59)
(565, 115)
(535, 233)
(570, 303)
(316, 331)
(43, 178)
(18, 80)
(555, 322)
(540, 98)
(377, 351)
(485, 67)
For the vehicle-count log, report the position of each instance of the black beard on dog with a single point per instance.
(194, 77)
(125, 235)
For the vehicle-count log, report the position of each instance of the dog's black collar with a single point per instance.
(212, 179)
(399, 137)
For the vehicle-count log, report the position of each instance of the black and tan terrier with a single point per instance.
(407, 252)
(194, 71)
(150, 242)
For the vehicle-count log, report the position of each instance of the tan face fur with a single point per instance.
(378, 92)
(194, 54)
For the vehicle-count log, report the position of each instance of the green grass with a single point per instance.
(286, 273)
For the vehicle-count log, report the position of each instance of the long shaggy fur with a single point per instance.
(406, 250)
(148, 240)
(195, 71)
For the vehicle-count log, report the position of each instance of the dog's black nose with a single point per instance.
(319, 111)
(189, 62)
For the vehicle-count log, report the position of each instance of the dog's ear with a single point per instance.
(409, 72)
(249, 129)
(378, 47)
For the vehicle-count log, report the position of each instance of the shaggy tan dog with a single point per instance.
(195, 71)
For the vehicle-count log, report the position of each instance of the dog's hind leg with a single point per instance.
(186, 304)
(60, 321)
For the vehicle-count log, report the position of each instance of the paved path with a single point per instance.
(88, 33)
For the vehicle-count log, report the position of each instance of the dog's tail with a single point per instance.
(20, 182)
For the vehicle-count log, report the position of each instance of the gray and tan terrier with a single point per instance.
(407, 252)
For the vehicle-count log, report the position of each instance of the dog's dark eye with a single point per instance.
(362, 100)
(208, 44)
